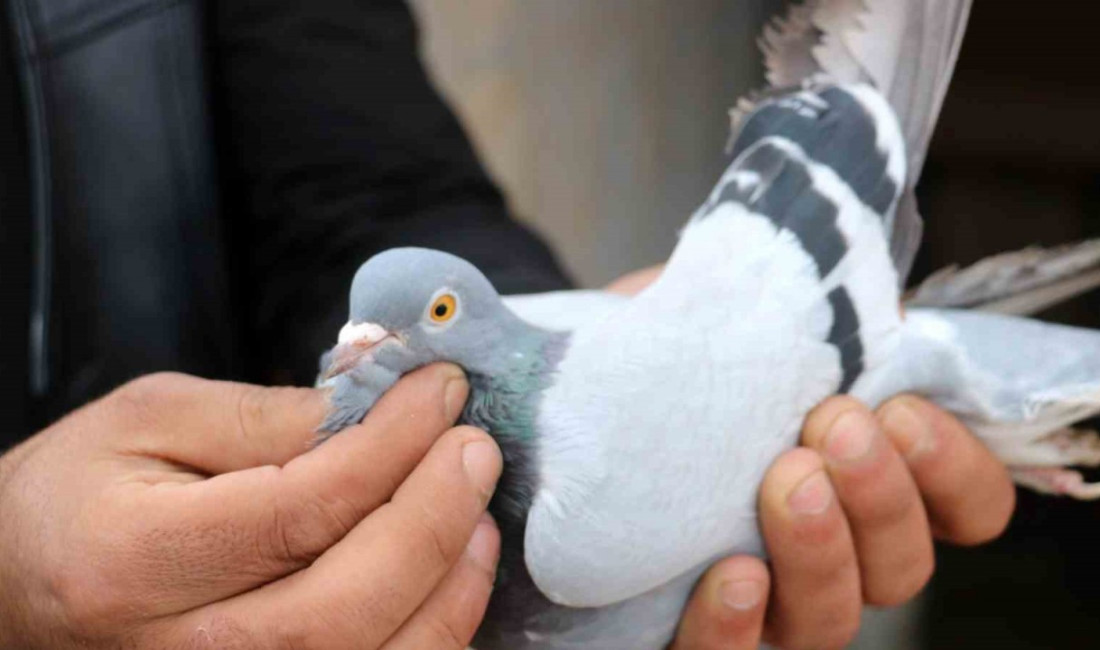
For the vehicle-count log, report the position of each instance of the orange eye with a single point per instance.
(443, 309)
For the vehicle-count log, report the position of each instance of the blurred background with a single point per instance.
(605, 123)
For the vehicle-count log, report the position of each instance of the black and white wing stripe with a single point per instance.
(846, 132)
(905, 48)
(780, 292)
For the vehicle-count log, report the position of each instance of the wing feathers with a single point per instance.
(788, 43)
(905, 48)
(1020, 282)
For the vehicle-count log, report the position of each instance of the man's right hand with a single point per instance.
(179, 512)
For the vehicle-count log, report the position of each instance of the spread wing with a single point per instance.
(905, 48)
(665, 413)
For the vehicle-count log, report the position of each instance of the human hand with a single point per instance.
(848, 519)
(179, 512)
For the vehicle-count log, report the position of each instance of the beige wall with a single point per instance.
(604, 120)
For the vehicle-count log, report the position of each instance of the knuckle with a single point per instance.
(443, 634)
(253, 405)
(982, 522)
(828, 533)
(258, 407)
(432, 538)
(302, 530)
(884, 511)
(142, 400)
(151, 386)
(257, 404)
(901, 588)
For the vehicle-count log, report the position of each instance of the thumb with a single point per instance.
(267, 522)
(212, 426)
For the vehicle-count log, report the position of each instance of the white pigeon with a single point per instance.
(636, 431)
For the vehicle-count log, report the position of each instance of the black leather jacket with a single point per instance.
(191, 188)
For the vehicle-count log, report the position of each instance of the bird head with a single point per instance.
(412, 306)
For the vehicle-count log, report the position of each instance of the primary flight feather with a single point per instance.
(636, 431)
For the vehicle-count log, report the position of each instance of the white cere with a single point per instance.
(368, 332)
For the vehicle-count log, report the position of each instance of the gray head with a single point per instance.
(413, 306)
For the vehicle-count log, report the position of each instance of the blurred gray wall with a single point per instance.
(603, 120)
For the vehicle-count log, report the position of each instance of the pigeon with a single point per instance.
(636, 430)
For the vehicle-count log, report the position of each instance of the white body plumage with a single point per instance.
(742, 294)
(662, 412)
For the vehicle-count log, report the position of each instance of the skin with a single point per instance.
(849, 519)
(184, 513)
(188, 513)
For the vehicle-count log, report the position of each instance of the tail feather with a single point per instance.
(1021, 282)
(1016, 383)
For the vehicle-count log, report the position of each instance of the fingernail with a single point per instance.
(482, 463)
(454, 395)
(741, 595)
(482, 548)
(849, 438)
(812, 496)
(908, 430)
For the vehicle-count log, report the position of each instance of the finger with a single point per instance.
(816, 597)
(726, 611)
(635, 281)
(967, 491)
(360, 591)
(450, 617)
(218, 537)
(213, 426)
(879, 497)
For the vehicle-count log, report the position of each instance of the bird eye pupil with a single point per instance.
(443, 308)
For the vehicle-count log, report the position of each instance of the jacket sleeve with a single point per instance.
(334, 146)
